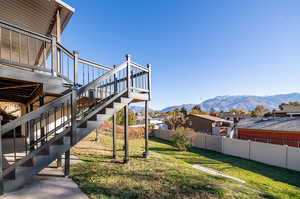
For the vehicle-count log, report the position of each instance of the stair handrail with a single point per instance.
(101, 78)
(33, 114)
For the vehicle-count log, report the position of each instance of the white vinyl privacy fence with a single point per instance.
(276, 155)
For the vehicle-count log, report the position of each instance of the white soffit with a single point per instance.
(35, 15)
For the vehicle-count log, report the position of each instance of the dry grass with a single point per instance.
(167, 174)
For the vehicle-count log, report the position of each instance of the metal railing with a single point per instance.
(35, 52)
(24, 48)
(26, 135)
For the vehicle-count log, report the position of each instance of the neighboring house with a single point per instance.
(209, 124)
(157, 123)
(287, 111)
(231, 116)
(283, 131)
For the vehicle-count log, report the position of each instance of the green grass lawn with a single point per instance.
(168, 173)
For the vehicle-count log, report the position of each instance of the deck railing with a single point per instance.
(24, 48)
(38, 53)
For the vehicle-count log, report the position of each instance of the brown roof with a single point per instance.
(211, 118)
(290, 108)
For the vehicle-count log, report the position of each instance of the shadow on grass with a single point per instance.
(275, 173)
(174, 186)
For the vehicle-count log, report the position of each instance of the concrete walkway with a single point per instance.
(215, 172)
(49, 184)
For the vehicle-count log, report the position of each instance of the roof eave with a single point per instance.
(60, 2)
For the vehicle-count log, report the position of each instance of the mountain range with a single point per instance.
(139, 109)
(245, 102)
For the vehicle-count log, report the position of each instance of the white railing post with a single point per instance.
(149, 66)
(1, 158)
(115, 82)
(73, 116)
(54, 69)
(128, 59)
(75, 78)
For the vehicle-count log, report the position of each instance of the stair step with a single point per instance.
(40, 161)
(81, 133)
(23, 175)
(103, 117)
(94, 124)
(110, 111)
(125, 100)
(118, 105)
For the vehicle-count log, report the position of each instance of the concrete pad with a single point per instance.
(45, 187)
(49, 184)
(215, 172)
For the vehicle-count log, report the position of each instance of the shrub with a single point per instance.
(180, 140)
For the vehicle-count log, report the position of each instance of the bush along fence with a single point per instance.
(271, 154)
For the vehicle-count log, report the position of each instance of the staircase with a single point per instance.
(51, 130)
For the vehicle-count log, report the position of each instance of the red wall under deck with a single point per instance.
(291, 138)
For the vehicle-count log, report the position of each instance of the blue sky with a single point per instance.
(198, 48)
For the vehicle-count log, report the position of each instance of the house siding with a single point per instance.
(290, 138)
(201, 125)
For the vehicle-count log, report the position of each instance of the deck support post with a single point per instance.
(73, 116)
(58, 39)
(67, 163)
(146, 152)
(58, 162)
(149, 66)
(128, 73)
(1, 158)
(114, 136)
(75, 78)
(126, 158)
(31, 131)
(54, 69)
(42, 103)
(97, 135)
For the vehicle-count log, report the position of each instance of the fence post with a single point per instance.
(73, 116)
(286, 155)
(128, 59)
(115, 82)
(222, 144)
(54, 56)
(75, 78)
(1, 157)
(149, 66)
(249, 153)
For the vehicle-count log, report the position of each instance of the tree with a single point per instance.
(294, 103)
(176, 120)
(131, 117)
(259, 111)
(235, 111)
(183, 111)
(243, 112)
(196, 111)
(290, 103)
(281, 106)
(197, 107)
(180, 140)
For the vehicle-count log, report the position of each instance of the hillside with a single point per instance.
(245, 102)
(139, 109)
